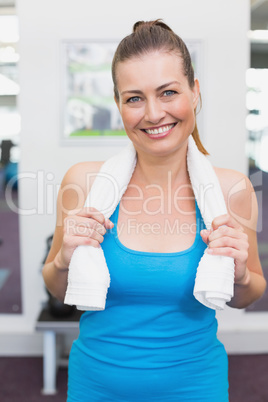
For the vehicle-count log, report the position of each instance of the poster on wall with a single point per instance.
(88, 107)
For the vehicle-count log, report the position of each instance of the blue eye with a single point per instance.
(134, 99)
(169, 92)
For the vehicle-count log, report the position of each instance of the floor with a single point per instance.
(21, 380)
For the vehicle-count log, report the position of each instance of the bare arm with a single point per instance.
(75, 226)
(244, 209)
(234, 235)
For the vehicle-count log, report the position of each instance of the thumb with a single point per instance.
(108, 224)
(205, 235)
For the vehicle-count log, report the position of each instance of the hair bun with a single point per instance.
(139, 25)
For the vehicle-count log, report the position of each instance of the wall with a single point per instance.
(220, 25)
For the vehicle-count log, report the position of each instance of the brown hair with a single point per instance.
(149, 36)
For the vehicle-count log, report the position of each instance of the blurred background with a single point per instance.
(55, 95)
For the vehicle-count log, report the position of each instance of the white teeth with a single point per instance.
(159, 130)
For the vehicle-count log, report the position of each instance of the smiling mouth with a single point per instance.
(159, 130)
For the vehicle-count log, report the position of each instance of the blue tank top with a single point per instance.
(154, 341)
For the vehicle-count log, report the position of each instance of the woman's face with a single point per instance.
(156, 103)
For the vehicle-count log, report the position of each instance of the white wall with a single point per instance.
(220, 25)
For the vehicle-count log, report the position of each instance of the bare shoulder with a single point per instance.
(76, 185)
(81, 174)
(239, 196)
(73, 192)
(229, 178)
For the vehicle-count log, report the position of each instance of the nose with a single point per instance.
(154, 111)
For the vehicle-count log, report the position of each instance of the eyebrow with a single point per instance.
(137, 91)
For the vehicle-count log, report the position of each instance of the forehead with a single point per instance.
(154, 68)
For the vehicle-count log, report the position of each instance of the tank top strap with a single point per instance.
(200, 224)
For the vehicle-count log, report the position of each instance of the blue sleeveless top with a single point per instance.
(154, 341)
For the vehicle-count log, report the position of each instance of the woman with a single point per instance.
(154, 341)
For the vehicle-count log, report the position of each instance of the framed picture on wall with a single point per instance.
(89, 112)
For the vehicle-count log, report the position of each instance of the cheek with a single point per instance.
(182, 110)
(131, 117)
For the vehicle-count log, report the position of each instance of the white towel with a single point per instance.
(214, 282)
(89, 279)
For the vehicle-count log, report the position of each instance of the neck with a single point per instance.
(158, 170)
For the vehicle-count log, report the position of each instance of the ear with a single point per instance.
(196, 92)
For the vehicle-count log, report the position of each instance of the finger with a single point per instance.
(88, 241)
(83, 231)
(108, 224)
(224, 251)
(95, 225)
(75, 241)
(227, 231)
(89, 212)
(237, 255)
(227, 220)
(226, 241)
(205, 235)
(76, 225)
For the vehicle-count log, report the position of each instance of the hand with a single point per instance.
(227, 238)
(84, 228)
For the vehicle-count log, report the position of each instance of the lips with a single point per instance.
(159, 132)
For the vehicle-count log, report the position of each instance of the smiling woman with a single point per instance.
(154, 340)
(154, 38)
(156, 101)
